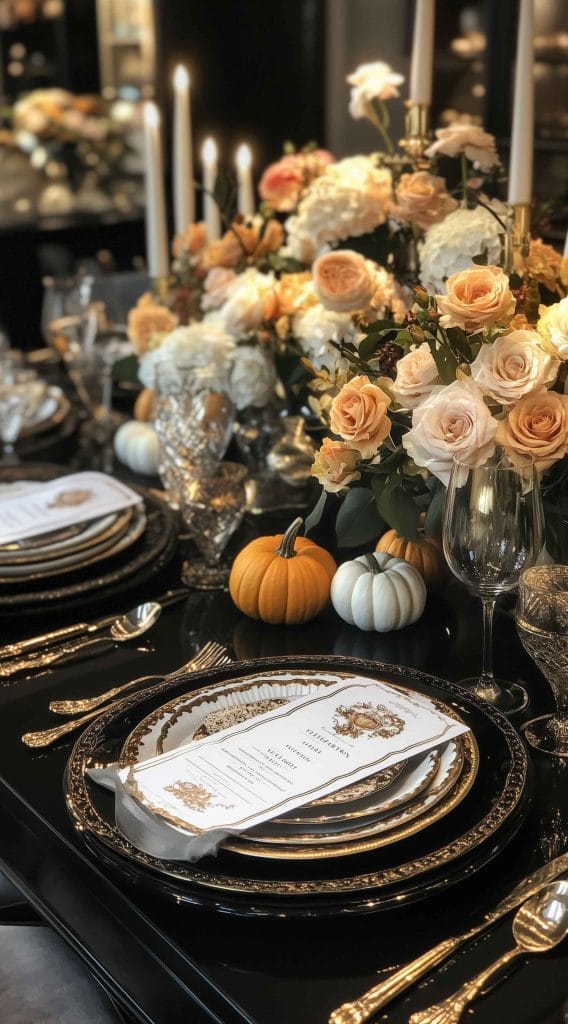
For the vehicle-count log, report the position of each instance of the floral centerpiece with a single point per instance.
(373, 289)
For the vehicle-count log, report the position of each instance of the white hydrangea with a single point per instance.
(246, 298)
(252, 377)
(197, 345)
(316, 328)
(350, 198)
(450, 246)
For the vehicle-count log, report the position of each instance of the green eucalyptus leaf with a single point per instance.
(358, 521)
(435, 513)
(397, 507)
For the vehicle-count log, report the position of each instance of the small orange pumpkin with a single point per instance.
(426, 554)
(284, 579)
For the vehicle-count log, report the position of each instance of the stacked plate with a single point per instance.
(78, 560)
(52, 411)
(398, 835)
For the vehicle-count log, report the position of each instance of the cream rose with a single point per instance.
(335, 465)
(248, 298)
(358, 414)
(513, 366)
(416, 375)
(553, 327)
(471, 139)
(375, 81)
(452, 421)
(475, 298)
(342, 281)
(217, 285)
(537, 426)
(422, 199)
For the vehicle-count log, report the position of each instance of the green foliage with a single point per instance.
(284, 264)
(435, 513)
(313, 517)
(358, 521)
(396, 504)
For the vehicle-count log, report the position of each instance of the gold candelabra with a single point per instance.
(518, 237)
(417, 127)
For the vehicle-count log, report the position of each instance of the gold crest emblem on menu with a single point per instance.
(197, 798)
(367, 719)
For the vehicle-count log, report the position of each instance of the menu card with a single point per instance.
(261, 768)
(67, 500)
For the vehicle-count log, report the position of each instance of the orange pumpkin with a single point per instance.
(426, 554)
(284, 579)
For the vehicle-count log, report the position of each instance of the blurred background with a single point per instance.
(71, 188)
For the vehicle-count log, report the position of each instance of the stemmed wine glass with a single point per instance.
(493, 526)
(542, 622)
(212, 508)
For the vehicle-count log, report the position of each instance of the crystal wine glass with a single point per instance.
(212, 509)
(21, 394)
(493, 525)
(542, 622)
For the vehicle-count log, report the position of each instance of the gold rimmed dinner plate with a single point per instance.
(95, 533)
(438, 799)
(52, 412)
(82, 560)
(189, 718)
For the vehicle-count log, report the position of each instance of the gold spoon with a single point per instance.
(539, 925)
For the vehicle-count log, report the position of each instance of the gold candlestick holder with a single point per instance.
(161, 287)
(518, 238)
(417, 127)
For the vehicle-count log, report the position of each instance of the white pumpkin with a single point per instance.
(137, 446)
(378, 592)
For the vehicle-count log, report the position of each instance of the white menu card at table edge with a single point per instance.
(268, 765)
(71, 499)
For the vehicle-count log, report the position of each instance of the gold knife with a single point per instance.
(380, 995)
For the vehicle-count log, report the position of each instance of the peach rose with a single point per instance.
(452, 421)
(513, 366)
(416, 375)
(543, 263)
(192, 241)
(358, 414)
(281, 184)
(217, 285)
(475, 298)
(422, 199)
(553, 327)
(147, 319)
(335, 465)
(537, 426)
(342, 281)
(471, 139)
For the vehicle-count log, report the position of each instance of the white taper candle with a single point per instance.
(422, 59)
(156, 226)
(211, 214)
(184, 199)
(522, 131)
(245, 200)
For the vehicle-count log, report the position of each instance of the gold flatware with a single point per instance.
(539, 925)
(381, 995)
(126, 627)
(210, 655)
(34, 643)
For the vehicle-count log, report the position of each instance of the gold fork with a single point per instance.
(212, 655)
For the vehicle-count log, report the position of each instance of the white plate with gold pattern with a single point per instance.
(188, 717)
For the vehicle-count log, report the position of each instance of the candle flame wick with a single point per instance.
(181, 77)
(244, 157)
(209, 151)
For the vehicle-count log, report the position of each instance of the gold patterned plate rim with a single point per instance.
(110, 549)
(110, 527)
(186, 704)
(87, 818)
(367, 838)
(61, 411)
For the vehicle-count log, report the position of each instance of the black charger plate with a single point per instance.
(415, 868)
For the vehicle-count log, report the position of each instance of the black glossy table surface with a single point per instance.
(166, 962)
